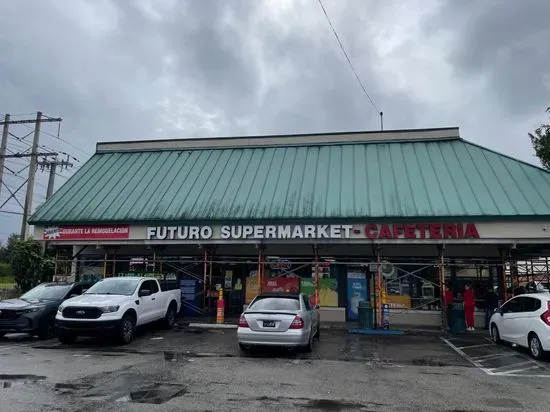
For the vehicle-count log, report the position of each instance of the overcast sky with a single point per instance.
(147, 69)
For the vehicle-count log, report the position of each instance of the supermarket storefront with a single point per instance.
(341, 217)
(337, 264)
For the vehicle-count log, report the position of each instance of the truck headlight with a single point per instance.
(109, 309)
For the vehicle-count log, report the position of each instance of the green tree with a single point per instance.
(540, 139)
(6, 249)
(29, 265)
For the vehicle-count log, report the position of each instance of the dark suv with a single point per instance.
(34, 312)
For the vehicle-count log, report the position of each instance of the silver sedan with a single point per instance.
(279, 319)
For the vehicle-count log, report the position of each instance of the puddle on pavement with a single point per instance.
(7, 381)
(333, 405)
(122, 387)
(157, 394)
(428, 362)
(170, 356)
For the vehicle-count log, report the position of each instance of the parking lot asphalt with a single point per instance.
(203, 370)
(503, 360)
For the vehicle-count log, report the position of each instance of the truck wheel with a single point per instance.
(170, 318)
(126, 329)
(66, 337)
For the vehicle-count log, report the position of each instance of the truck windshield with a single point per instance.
(114, 286)
(46, 292)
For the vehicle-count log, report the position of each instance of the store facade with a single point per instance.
(387, 217)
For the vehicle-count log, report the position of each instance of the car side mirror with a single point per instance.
(144, 292)
(73, 295)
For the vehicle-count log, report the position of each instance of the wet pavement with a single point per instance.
(203, 370)
(504, 360)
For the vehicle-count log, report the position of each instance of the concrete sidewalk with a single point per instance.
(231, 323)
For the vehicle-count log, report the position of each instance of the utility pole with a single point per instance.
(52, 165)
(3, 147)
(32, 175)
(33, 161)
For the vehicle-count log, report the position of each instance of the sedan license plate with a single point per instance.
(269, 323)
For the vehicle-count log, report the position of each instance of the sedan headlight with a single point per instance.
(109, 309)
(60, 309)
(29, 310)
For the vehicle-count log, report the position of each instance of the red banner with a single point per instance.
(86, 232)
(288, 285)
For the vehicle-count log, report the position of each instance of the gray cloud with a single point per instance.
(117, 70)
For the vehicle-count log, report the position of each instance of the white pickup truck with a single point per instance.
(115, 306)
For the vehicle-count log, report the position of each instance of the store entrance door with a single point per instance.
(233, 277)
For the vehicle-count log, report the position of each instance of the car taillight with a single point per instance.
(297, 323)
(546, 315)
(242, 322)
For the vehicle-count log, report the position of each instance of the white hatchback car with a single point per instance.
(525, 321)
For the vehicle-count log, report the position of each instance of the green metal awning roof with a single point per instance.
(368, 180)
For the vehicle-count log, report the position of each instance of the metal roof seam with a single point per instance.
(533, 186)
(231, 174)
(489, 163)
(468, 181)
(525, 198)
(121, 188)
(184, 210)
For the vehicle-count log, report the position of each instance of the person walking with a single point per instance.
(491, 303)
(469, 306)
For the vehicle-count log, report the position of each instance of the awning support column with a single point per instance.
(441, 259)
(55, 263)
(207, 275)
(501, 271)
(105, 256)
(261, 267)
(316, 262)
(378, 294)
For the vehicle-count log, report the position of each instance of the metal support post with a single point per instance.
(105, 257)
(316, 257)
(205, 279)
(444, 325)
(378, 287)
(55, 263)
(261, 267)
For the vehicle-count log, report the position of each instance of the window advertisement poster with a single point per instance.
(228, 281)
(328, 291)
(357, 292)
(251, 286)
(189, 299)
(282, 284)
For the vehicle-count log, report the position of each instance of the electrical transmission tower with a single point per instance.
(33, 155)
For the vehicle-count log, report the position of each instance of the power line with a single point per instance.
(349, 60)
(64, 141)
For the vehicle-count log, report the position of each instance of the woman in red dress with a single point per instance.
(469, 306)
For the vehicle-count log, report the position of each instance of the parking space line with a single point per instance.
(475, 346)
(492, 356)
(517, 371)
(511, 364)
(468, 358)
